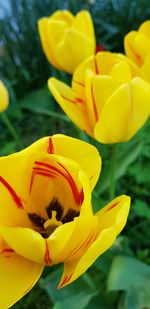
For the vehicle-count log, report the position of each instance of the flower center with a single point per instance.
(55, 216)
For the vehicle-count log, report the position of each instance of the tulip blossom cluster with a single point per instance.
(46, 215)
(107, 99)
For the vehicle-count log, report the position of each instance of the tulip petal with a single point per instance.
(130, 50)
(145, 28)
(18, 276)
(121, 73)
(21, 240)
(145, 71)
(70, 240)
(4, 97)
(131, 103)
(114, 213)
(42, 27)
(111, 220)
(83, 22)
(67, 100)
(77, 47)
(103, 87)
(64, 16)
(75, 268)
(83, 153)
(71, 148)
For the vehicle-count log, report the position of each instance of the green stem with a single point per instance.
(112, 171)
(12, 130)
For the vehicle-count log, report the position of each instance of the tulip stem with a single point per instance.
(12, 130)
(112, 171)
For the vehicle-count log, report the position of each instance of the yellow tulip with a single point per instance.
(137, 44)
(106, 100)
(4, 97)
(66, 39)
(46, 215)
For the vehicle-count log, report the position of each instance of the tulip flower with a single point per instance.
(137, 44)
(46, 216)
(106, 100)
(4, 97)
(66, 39)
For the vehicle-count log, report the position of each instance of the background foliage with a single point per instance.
(121, 277)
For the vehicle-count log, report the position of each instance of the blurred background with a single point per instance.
(120, 278)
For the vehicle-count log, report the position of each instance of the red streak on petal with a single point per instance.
(7, 250)
(79, 100)
(139, 59)
(78, 196)
(66, 280)
(89, 239)
(51, 146)
(79, 83)
(96, 67)
(47, 258)
(112, 206)
(42, 172)
(69, 100)
(94, 103)
(14, 195)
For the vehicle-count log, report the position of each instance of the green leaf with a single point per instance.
(41, 102)
(79, 301)
(125, 158)
(127, 272)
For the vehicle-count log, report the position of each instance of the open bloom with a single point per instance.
(67, 40)
(137, 44)
(106, 100)
(4, 97)
(46, 215)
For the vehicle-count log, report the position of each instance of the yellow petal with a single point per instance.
(48, 50)
(75, 268)
(114, 214)
(83, 153)
(103, 87)
(145, 70)
(64, 16)
(70, 240)
(111, 220)
(79, 76)
(130, 50)
(124, 113)
(4, 97)
(140, 93)
(121, 72)
(145, 28)
(75, 48)
(18, 276)
(142, 45)
(76, 110)
(83, 22)
(12, 210)
(55, 36)
(26, 242)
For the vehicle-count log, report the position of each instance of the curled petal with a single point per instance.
(75, 109)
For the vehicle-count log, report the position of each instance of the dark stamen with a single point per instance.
(55, 205)
(36, 219)
(70, 215)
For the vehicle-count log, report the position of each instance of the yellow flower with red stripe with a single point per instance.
(4, 97)
(107, 100)
(46, 215)
(66, 39)
(137, 44)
